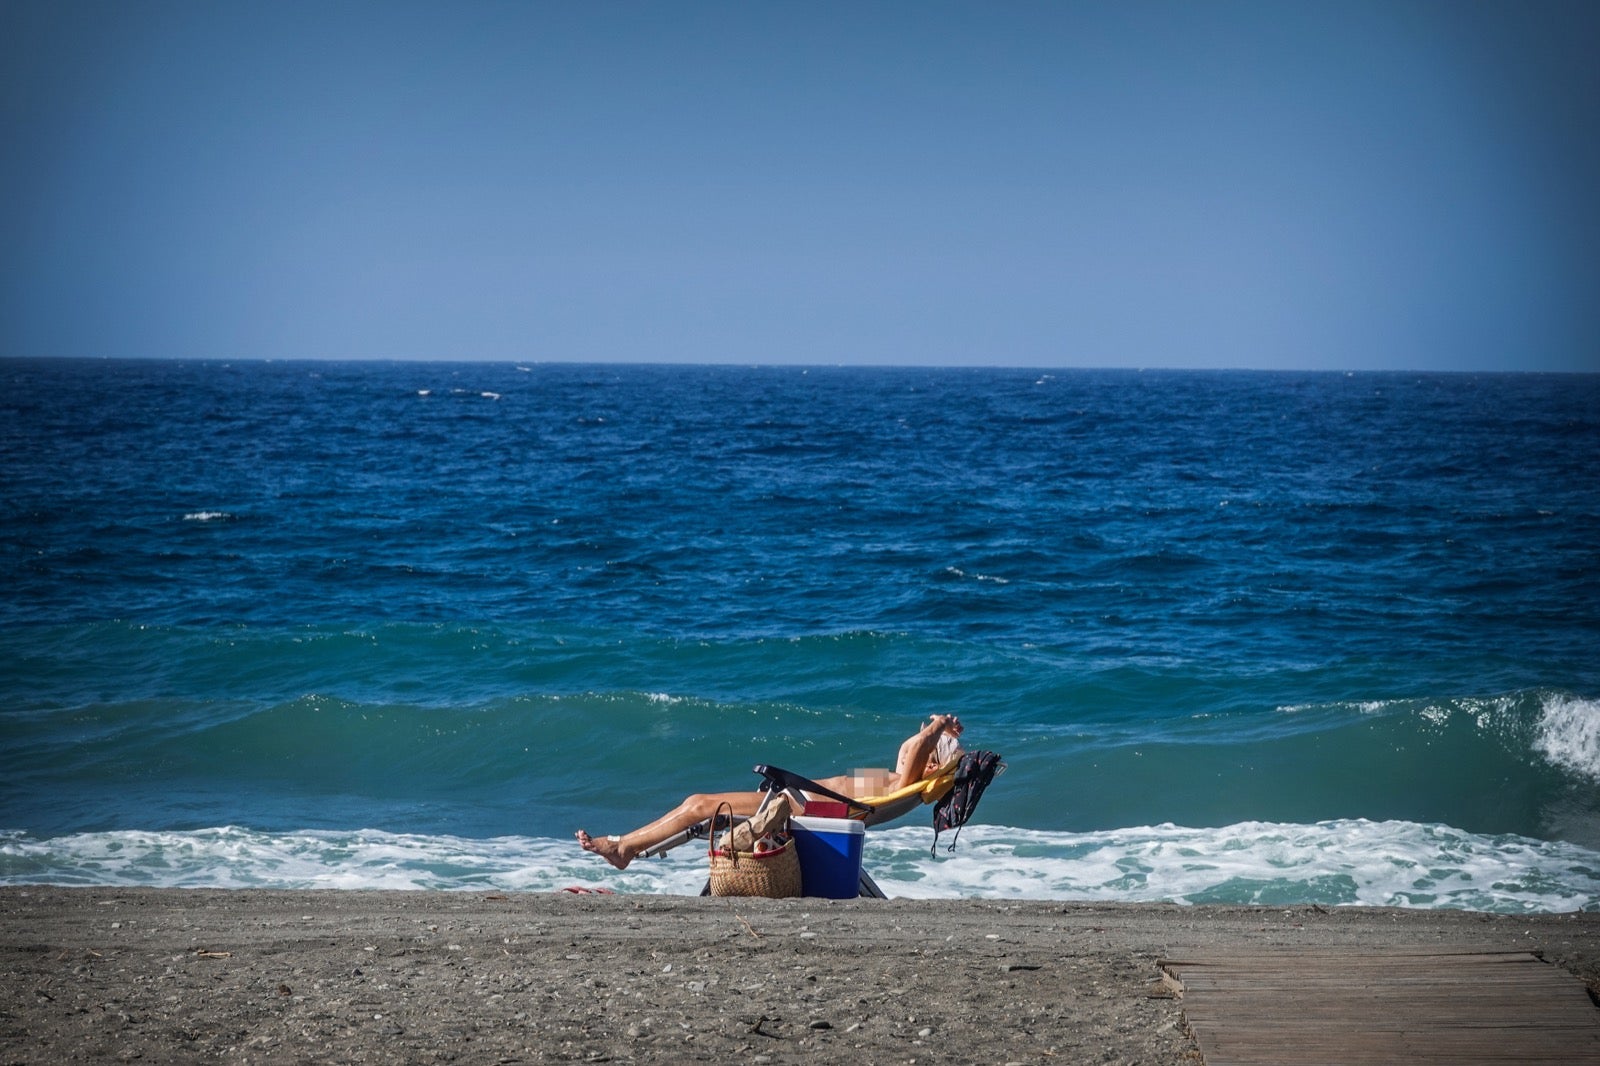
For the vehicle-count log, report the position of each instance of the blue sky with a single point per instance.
(1398, 185)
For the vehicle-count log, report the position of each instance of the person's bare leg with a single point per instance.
(620, 851)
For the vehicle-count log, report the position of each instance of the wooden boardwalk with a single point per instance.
(1357, 1006)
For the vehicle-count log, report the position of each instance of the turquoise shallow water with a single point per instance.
(1239, 636)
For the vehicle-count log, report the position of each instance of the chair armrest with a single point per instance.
(786, 780)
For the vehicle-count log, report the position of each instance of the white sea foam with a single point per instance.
(233, 857)
(1363, 707)
(958, 572)
(1569, 735)
(1395, 864)
(1401, 864)
(206, 516)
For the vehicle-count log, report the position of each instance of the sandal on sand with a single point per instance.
(579, 890)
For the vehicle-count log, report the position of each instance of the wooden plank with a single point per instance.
(1459, 1006)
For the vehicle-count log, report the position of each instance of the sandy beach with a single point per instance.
(159, 975)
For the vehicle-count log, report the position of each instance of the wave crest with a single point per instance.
(1568, 735)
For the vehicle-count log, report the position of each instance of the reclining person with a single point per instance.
(922, 753)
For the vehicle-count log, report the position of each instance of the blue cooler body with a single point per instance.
(830, 855)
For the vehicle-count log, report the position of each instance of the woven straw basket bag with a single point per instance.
(736, 870)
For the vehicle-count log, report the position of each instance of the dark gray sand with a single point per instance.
(285, 977)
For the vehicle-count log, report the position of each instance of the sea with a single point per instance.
(1265, 638)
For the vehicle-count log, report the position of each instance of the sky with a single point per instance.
(1399, 185)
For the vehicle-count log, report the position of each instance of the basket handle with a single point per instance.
(711, 837)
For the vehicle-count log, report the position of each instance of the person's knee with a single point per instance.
(698, 804)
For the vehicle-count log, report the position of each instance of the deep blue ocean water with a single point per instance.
(1253, 637)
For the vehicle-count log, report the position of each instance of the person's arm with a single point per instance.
(912, 764)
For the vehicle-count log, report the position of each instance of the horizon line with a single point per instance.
(759, 365)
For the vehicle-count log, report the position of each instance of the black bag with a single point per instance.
(976, 770)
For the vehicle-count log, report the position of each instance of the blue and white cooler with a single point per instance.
(830, 855)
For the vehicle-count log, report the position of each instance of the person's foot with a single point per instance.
(608, 848)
